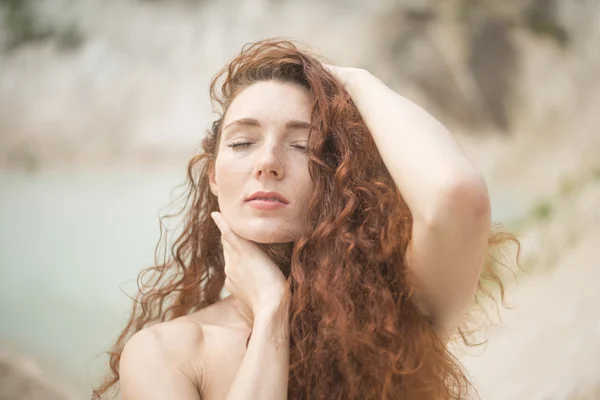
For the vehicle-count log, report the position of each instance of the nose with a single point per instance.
(270, 163)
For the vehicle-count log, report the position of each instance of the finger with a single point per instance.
(337, 72)
(331, 68)
(226, 252)
(226, 234)
(229, 250)
(231, 253)
(235, 244)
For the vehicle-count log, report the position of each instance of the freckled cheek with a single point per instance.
(303, 190)
(231, 178)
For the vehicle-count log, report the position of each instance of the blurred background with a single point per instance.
(103, 102)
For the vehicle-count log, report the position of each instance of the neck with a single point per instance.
(243, 311)
(280, 253)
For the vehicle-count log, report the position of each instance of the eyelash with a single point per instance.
(243, 145)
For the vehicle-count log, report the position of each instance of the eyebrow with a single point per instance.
(292, 124)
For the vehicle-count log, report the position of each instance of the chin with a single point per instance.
(265, 234)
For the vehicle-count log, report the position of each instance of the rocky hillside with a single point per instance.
(548, 345)
(99, 83)
(23, 379)
(116, 83)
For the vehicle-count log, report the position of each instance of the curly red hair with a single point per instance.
(355, 332)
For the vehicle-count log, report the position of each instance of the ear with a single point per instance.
(212, 181)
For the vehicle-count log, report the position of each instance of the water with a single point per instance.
(70, 242)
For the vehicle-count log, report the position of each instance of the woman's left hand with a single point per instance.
(251, 276)
(344, 74)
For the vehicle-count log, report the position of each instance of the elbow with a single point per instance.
(472, 193)
(465, 200)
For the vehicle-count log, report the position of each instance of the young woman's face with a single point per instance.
(262, 148)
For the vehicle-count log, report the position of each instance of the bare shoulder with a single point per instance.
(163, 361)
(191, 357)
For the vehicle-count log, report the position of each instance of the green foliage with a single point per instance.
(572, 185)
(541, 20)
(567, 188)
(536, 16)
(541, 214)
(542, 211)
(69, 38)
(21, 25)
(23, 28)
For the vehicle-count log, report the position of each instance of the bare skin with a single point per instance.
(210, 354)
(205, 350)
(204, 355)
(224, 332)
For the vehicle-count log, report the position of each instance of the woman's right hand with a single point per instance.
(252, 277)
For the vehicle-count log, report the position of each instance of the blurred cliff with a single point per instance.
(23, 379)
(123, 84)
(108, 83)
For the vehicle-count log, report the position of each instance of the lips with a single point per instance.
(268, 196)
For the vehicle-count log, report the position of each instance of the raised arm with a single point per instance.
(446, 195)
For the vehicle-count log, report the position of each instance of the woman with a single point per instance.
(348, 226)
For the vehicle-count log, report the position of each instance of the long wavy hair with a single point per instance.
(355, 332)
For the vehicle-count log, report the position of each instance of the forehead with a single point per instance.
(271, 100)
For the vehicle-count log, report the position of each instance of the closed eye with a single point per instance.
(242, 145)
(299, 147)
